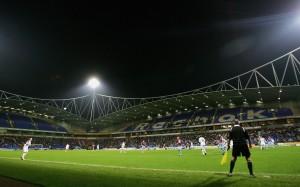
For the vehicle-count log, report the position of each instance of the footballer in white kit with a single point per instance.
(123, 147)
(67, 147)
(179, 145)
(191, 145)
(271, 142)
(222, 144)
(202, 145)
(143, 145)
(26, 148)
(262, 141)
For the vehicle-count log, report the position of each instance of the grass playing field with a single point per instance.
(273, 167)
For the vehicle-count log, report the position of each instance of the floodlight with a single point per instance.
(259, 101)
(93, 83)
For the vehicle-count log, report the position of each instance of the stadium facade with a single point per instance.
(265, 97)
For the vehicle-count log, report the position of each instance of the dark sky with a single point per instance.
(49, 49)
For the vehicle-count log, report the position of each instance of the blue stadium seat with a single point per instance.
(227, 115)
(22, 122)
(3, 121)
(183, 116)
(282, 112)
(43, 125)
(61, 129)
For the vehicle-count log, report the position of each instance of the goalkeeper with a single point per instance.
(239, 136)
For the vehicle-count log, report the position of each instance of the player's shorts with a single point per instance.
(241, 149)
(25, 150)
(179, 147)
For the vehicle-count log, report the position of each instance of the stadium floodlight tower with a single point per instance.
(93, 83)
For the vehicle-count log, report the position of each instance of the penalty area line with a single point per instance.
(147, 169)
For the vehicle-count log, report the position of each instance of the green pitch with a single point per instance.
(273, 167)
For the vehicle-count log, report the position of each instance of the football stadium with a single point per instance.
(180, 139)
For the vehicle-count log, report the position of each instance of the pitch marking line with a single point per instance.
(147, 169)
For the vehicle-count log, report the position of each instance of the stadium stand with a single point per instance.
(43, 125)
(61, 129)
(183, 117)
(202, 117)
(280, 135)
(3, 120)
(7, 142)
(22, 122)
(19, 121)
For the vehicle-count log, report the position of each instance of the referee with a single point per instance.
(239, 136)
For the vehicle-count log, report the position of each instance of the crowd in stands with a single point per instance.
(287, 134)
(279, 135)
(16, 142)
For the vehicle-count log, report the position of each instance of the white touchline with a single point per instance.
(146, 169)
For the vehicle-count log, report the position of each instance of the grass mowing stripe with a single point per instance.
(149, 169)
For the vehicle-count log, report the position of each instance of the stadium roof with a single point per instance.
(42, 110)
(201, 101)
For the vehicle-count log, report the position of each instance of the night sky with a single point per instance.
(138, 49)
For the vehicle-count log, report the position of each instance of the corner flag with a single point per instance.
(224, 158)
